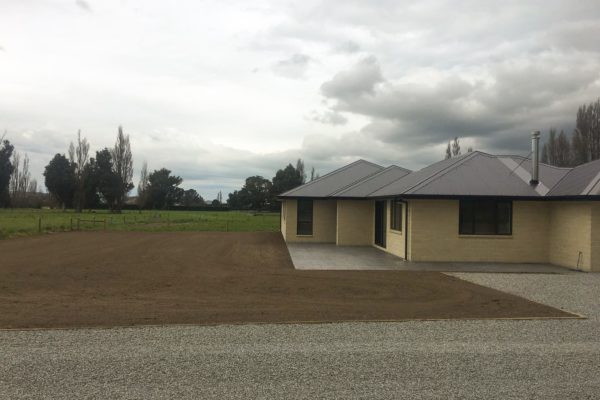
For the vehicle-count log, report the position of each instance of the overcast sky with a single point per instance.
(220, 90)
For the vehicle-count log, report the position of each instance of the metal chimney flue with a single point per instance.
(535, 158)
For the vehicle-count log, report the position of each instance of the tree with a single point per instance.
(123, 166)
(448, 151)
(79, 157)
(19, 181)
(142, 188)
(585, 142)
(6, 170)
(191, 198)
(215, 203)
(91, 183)
(258, 191)
(286, 179)
(300, 169)
(557, 150)
(109, 184)
(163, 189)
(456, 147)
(256, 194)
(59, 177)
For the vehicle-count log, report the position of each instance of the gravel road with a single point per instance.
(541, 359)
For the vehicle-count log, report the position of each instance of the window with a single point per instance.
(305, 217)
(485, 217)
(396, 216)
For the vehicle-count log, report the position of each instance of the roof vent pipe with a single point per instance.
(535, 158)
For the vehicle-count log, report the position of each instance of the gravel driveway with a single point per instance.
(549, 359)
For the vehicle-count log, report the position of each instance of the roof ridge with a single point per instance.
(529, 158)
(435, 175)
(356, 182)
(335, 171)
(366, 178)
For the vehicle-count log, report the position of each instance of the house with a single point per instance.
(476, 207)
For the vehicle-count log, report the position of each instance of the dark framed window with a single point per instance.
(305, 217)
(396, 216)
(485, 217)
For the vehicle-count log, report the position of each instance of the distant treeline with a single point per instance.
(84, 182)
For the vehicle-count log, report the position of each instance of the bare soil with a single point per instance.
(129, 278)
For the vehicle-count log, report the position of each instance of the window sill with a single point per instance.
(304, 235)
(395, 232)
(485, 236)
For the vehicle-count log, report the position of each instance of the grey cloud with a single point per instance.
(516, 96)
(357, 81)
(2, 48)
(84, 5)
(329, 117)
(294, 67)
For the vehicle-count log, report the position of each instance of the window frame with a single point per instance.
(496, 221)
(396, 213)
(300, 221)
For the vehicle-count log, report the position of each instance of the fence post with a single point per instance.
(71, 223)
(40, 225)
(78, 220)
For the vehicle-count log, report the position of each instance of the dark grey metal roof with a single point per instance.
(335, 181)
(472, 174)
(583, 180)
(374, 182)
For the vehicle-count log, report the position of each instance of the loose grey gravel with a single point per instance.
(536, 359)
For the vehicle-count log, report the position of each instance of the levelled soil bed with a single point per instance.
(129, 278)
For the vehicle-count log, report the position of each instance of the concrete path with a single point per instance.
(330, 256)
(543, 359)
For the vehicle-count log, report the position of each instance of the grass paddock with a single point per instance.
(29, 222)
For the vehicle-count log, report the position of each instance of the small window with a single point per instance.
(305, 217)
(396, 216)
(485, 217)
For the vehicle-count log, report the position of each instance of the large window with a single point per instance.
(305, 217)
(396, 216)
(485, 217)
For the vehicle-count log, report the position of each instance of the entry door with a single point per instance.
(380, 226)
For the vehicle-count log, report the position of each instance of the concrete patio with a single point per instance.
(332, 257)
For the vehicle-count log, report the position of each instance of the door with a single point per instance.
(380, 226)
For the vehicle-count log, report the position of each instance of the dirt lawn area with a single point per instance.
(134, 278)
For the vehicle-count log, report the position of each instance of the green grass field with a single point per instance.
(27, 222)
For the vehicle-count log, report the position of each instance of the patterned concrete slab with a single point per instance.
(331, 257)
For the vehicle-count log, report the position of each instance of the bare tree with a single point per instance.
(586, 137)
(142, 188)
(557, 150)
(79, 157)
(456, 147)
(19, 180)
(123, 167)
(448, 151)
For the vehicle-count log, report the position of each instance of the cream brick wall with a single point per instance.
(571, 234)
(394, 239)
(433, 234)
(324, 222)
(355, 222)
